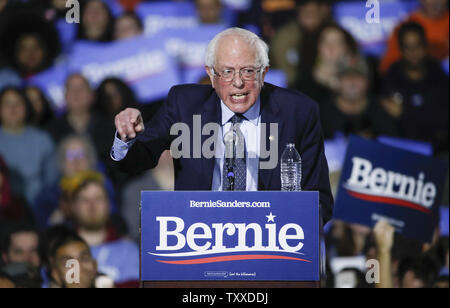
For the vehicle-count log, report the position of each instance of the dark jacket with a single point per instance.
(298, 122)
(425, 104)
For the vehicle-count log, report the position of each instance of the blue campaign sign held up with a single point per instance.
(382, 182)
(159, 16)
(260, 236)
(142, 62)
(360, 19)
(189, 48)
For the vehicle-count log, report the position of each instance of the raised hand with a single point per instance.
(129, 124)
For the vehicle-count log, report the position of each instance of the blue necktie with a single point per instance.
(240, 163)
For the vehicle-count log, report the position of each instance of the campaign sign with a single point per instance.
(189, 48)
(372, 22)
(382, 182)
(142, 62)
(160, 16)
(251, 236)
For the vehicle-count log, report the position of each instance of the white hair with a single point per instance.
(261, 48)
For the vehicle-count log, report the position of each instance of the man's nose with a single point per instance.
(238, 82)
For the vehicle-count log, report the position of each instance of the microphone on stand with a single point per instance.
(230, 141)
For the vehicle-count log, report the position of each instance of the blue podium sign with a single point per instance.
(243, 236)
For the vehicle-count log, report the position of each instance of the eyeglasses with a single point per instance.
(75, 154)
(246, 73)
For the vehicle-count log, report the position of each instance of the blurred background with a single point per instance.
(381, 76)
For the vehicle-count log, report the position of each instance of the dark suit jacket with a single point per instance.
(298, 122)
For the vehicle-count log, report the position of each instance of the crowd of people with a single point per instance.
(61, 199)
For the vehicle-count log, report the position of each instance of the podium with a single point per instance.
(231, 240)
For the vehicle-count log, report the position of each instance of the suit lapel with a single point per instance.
(269, 114)
(211, 113)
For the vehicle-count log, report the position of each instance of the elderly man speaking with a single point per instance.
(265, 116)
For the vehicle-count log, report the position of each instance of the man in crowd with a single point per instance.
(66, 252)
(433, 16)
(116, 257)
(418, 106)
(20, 244)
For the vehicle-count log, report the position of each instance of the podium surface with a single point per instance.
(230, 239)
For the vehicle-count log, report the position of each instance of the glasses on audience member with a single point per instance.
(75, 154)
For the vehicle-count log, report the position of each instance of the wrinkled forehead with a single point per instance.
(234, 51)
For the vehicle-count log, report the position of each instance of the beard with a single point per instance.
(92, 224)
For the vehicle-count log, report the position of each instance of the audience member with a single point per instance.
(113, 95)
(127, 26)
(31, 170)
(209, 11)
(75, 156)
(419, 272)
(96, 23)
(80, 119)
(64, 245)
(42, 110)
(418, 103)
(116, 256)
(21, 244)
(351, 110)
(28, 42)
(320, 79)
(12, 207)
(433, 16)
(293, 45)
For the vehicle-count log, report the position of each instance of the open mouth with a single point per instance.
(239, 97)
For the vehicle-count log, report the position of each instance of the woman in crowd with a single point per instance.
(322, 80)
(75, 154)
(96, 22)
(42, 111)
(27, 151)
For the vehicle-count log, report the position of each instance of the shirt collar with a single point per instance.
(252, 115)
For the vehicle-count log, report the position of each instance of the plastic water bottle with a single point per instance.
(291, 169)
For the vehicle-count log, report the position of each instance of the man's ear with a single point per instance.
(210, 75)
(265, 72)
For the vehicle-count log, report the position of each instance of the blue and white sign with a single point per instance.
(381, 182)
(259, 236)
(159, 16)
(181, 16)
(141, 62)
(189, 48)
(372, 35)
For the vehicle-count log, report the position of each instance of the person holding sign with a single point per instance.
(268, 117)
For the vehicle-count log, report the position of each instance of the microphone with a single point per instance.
(230, 141)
